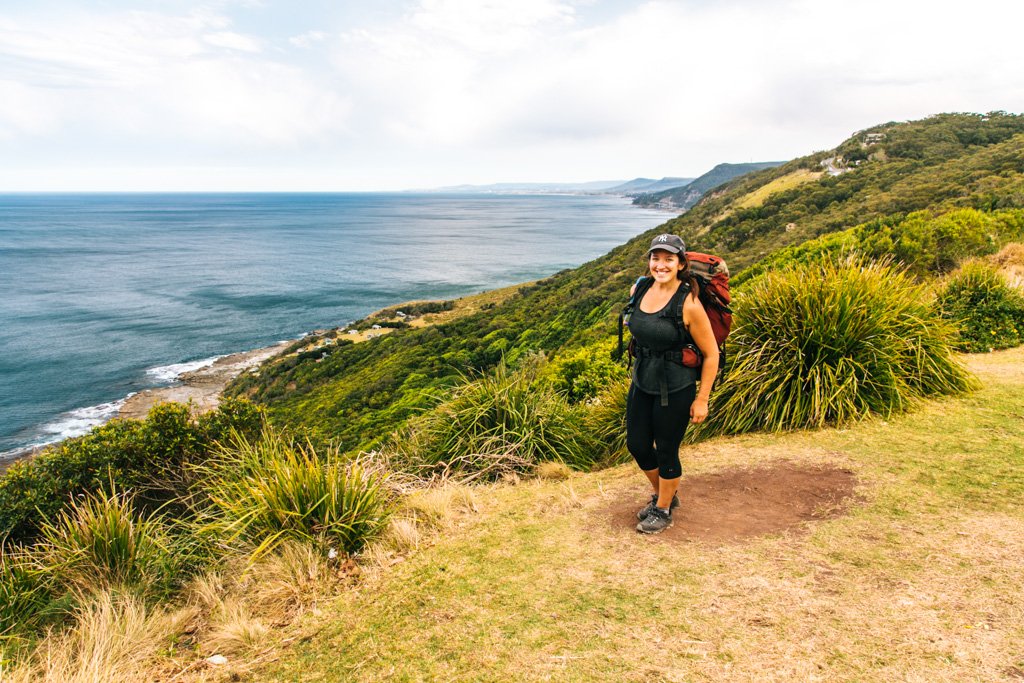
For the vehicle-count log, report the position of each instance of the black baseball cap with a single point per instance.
(668, 242)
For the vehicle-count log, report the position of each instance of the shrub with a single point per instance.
(100, 542)
(932, 244)
(819, 345)
(988, 312)
(606, 422)
(582, 373)
(261, 492)
(145, 455)
(501, 422)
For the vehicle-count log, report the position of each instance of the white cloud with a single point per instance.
(233, 41)
(447, 91)
(308, 39)
(151, 77)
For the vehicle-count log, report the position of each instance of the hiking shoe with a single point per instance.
(656, 522)
(646, 510)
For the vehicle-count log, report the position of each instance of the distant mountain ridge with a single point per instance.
(682, 198)
(596, 186)
(624, 187)
(648, 185)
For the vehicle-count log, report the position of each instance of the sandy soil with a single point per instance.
(203, 387)
(740, 503)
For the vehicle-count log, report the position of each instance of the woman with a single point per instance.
(663, 397)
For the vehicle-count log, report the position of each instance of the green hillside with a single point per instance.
(359, 393)
(946, 161)
(682, 198)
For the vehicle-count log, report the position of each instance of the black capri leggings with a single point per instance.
(653, 432)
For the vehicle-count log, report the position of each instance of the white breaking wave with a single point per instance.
(72, 423)
(171, 373)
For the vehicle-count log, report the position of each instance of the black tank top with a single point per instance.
(657, 336)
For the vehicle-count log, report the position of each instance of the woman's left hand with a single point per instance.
(698, 410)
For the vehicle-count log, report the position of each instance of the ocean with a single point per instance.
(105, 295)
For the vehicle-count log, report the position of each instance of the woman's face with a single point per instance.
(664, 265)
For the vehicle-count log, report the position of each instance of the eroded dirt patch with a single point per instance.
(740, 503)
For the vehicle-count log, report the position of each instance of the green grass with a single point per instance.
(920, 580)
(505, 421)
(825, 344)
(258, 493)
(101, 542)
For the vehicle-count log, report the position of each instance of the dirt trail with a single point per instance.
(739, 503)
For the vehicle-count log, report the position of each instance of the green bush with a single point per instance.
(988, 312)
(258, 493)
(924, 243)
(503, 421)
(820, 345)
(606, 422)
(101, 542)
(582, 373)
(145, 455)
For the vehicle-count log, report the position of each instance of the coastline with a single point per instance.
(203, 387)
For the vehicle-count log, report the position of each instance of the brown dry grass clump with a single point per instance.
(1010, 261)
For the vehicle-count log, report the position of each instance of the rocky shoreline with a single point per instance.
(203, 387)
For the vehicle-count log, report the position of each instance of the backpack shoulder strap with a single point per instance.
(640, 287)
(675, 308)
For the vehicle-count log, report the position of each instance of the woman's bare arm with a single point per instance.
(696, 320)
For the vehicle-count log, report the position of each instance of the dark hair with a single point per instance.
(684, 275)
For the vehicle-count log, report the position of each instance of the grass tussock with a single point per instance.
(266, 491)
(116, 637)
(552, 470)
(818, 345)
(606, 422)
(1010, 256)
(25, 595)
(100, 542)
(987, 310)
(501, 424)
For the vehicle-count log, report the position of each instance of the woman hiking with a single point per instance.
(663, 397)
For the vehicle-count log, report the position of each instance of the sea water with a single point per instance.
(104, 295)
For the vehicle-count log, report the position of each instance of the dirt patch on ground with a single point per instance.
(740, 503)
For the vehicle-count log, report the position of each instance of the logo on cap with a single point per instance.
(663, 238)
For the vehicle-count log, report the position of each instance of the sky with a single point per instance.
(266, 95)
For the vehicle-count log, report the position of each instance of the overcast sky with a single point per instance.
(346, 95)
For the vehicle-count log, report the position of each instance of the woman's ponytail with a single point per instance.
(686, 276)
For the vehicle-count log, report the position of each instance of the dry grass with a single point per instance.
(235, 612)
(553, 470)
(114, 639)
(1010, 261)
(920, 581)
(786, 182)
(439, 507)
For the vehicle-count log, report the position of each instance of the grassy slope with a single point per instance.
(364, 391)
(941, 166)
(688, 195)
(921, 581)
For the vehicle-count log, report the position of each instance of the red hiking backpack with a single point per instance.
(712, 275)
